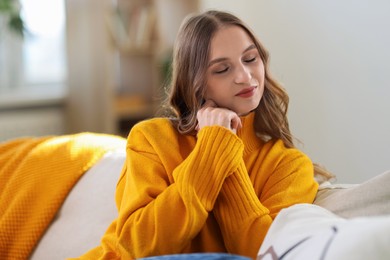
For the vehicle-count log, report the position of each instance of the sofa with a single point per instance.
(346, 221)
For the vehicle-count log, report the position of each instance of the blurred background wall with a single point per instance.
(331, 56)
(333, 59)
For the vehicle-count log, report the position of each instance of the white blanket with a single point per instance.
(307, 231)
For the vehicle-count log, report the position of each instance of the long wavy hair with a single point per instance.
(188, 80)
(189, 68)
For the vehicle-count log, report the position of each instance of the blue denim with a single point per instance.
(197, 256)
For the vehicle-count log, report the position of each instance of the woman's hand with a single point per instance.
(210, 114)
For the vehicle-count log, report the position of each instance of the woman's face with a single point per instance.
(235, 73)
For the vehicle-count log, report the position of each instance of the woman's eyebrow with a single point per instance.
(216, 61)
(250, 47)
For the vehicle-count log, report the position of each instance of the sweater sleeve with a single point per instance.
(217, 154)
(158, 215)
(245, 218)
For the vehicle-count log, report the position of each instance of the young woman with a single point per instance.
(213, 177)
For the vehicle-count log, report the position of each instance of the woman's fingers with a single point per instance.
(210, 115)
(236, 123)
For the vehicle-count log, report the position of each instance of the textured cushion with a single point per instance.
(369, 198)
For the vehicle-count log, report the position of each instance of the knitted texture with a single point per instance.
(214, 192)
(36, 174)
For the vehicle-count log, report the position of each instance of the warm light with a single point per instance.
(43, 17)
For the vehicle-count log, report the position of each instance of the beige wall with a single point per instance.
(333, 59)
(90, 67)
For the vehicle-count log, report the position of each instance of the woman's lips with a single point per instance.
(246, 92)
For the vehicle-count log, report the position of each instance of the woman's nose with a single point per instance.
(242, 74)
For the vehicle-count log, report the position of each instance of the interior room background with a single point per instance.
(78, 68)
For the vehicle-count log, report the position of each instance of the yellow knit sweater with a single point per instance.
(36, 174)
(217, 192)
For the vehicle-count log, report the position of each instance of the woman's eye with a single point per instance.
(250, 60)
(220, 71)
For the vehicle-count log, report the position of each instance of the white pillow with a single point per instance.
(86, 213)
(307, 231)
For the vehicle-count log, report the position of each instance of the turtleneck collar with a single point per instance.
(247, 133)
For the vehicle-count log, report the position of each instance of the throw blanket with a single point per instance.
(36, 174)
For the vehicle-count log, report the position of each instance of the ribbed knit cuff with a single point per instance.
(238, 203)
(217, 154)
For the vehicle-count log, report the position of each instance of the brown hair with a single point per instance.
(190, 56)
(191, 53)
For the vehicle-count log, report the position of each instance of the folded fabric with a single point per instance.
(307, 231)
(370, 198)
(36, 174)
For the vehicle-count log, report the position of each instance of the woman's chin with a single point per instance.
(247, 109)
(245, 113)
